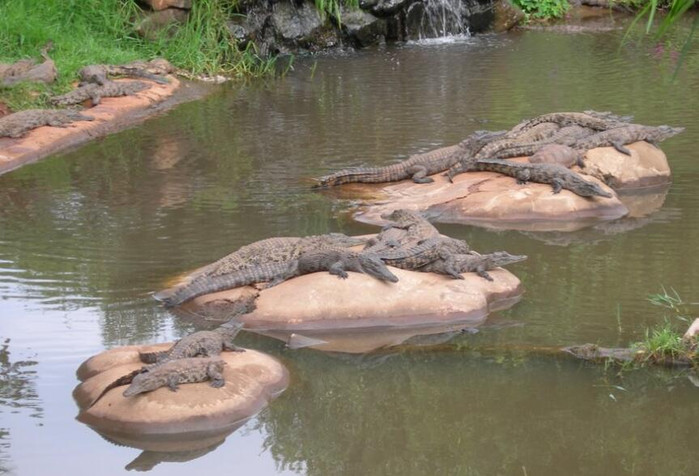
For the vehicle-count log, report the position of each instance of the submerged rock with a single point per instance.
(251, 380)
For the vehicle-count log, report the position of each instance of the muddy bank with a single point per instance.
(112, 115)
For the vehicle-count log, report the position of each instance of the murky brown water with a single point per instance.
(85, 237)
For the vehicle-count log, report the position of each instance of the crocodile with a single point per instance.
(95, 92)
(472, 263)
(153, 70)
(336, 261)
(518, 148)
(416, 167)
(198, 344)
(558, 176)
(558, 154)
(627, 134)
(275, 250)
(174, 372)
(536, 133)
(17, 124)
(425, 252)
(403, 227)
(599, 121)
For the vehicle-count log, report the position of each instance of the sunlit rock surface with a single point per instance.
(646, 167)
(361, 313)
(195, 410)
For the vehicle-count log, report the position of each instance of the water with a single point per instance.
(86, 236)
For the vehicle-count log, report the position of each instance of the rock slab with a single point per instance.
(252, 379)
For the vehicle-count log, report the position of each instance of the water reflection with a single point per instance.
(17, 393)
(456, 415)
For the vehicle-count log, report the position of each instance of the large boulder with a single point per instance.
(362, 27)
(647, 166)
(361, 313)
(252, 379)
(491, 200)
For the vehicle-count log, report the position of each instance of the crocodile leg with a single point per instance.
(216, 376)
(338, 270)
(481, 271)
(230, 346)
(172, 382)
(557, 185)
(419, 174)
(523, 176)
(620, 147)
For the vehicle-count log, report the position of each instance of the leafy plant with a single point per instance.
(543, 8)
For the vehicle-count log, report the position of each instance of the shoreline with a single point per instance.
(113, 114)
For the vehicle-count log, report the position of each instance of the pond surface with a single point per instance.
(85, 237)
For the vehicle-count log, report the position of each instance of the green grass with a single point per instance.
(102, 31)
(662, 342)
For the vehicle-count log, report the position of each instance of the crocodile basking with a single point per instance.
(627, 134)
(198, 344)
(417, 167)
(558, 176)
(275, 250)
(17, 124)
(154, 70)
(427, 251)
(336, 261)
(174, 372)
(599, 121)
(95, 92)
(404, 227)
(516, 147)
(472, 263)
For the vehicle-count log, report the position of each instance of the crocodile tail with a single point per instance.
(152, 357)
(212, 284)
(363, 175)
(123, 380)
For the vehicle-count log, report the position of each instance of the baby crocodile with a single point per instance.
(336, 261)
(174, 372)
(19, 123)
(417, 167)
(557, 176)
(275, 250)
(198, 344)
(425, 252)
(96, 92)
(627, 134)
(473, 263)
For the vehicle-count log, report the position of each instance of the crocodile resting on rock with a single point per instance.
(174, 372)
(198, 344)
(627, 134)
(558, 176)
(275, 250)
(95, 92)
(17, 124)
(154, 70)
(336, 261)
(417, 167)
(427, 251)
(472, 263)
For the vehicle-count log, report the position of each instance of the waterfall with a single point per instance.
(436, 19)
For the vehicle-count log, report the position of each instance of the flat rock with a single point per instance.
(361, 313)
(252, 379)
(496, 201)
(491, 200)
